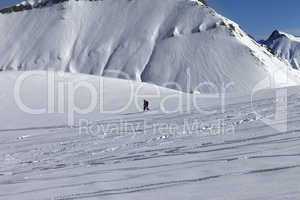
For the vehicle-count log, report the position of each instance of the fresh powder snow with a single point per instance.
(231, 154)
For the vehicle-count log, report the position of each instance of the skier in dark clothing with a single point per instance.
(146, 105)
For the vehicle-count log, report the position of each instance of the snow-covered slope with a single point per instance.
(285, 46)
(229, 154)
(42, 98)
(180, 44)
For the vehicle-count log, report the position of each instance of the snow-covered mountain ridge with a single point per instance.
(180, 44)
(30, 4)
(285, 46)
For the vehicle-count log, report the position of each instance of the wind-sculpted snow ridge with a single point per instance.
(285, 46)
(180, 44)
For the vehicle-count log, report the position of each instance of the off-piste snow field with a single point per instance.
(176, 150)
(224, 111)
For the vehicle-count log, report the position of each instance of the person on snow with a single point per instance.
(146, 105)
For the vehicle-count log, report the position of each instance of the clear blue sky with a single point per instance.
(257, 17)
(8, 2)
(261, 17)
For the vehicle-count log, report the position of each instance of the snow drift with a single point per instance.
(179, 44)
(285, 46)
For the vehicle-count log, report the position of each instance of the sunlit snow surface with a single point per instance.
(250, 161)
(176, 43)
(285, 46)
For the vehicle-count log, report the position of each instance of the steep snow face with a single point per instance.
(285, 46)
(180, 44)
